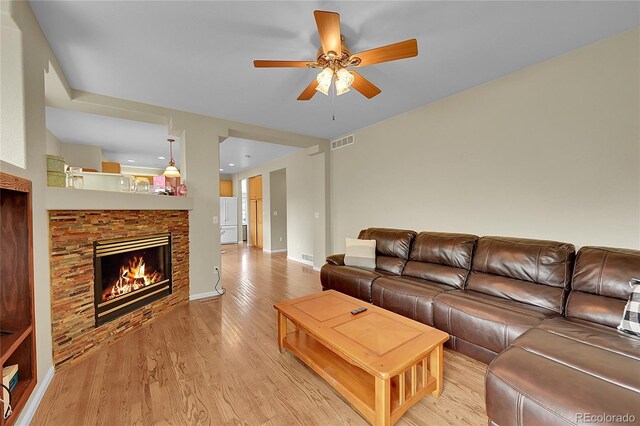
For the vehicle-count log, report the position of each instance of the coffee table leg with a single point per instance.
(383, 402)
(282, 330)
(436, 362)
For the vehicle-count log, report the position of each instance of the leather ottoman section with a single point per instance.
(354, 282)
(615, 365)
(487, 321)
(550, 379)
(410, 297)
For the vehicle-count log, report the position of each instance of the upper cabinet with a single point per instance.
(226, 188)
(255, 187)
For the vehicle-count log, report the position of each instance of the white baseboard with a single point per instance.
(275, 251)
(304, 262)
(316, 268)
(34, 401)
(204, 295)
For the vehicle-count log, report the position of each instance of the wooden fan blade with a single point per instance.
(309, 91)
(281, 64)
(364, 86)
(328, 24)
(392, 52)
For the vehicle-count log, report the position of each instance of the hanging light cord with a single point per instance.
(333, 100)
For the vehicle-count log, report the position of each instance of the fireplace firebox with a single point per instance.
(130, 273)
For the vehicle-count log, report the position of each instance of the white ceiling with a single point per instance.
(235, 151)
(121, 140)
(197, 56)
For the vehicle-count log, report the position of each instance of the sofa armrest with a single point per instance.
(336, 259)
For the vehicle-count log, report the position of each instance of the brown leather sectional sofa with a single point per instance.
(547, 328)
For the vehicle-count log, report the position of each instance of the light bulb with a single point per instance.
(324, 80)
(344, 80)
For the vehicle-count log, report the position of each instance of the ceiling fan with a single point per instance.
(334, 57)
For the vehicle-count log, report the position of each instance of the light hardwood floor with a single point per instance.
(216, 361)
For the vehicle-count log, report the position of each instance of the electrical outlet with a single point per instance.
(215, 220)
(280, 239)
(275, 212)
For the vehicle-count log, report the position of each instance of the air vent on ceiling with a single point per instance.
(344, 141)
(307, 257)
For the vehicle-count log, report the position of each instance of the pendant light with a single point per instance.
(171, 170)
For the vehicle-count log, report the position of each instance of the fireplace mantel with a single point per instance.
(87, 199)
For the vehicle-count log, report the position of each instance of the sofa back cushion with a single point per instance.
(441, 257)
(392, 247)
(536, 272)
(600, 286)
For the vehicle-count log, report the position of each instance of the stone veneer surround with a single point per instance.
(72, 233)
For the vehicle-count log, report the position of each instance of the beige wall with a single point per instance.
(78, 155)
(551, 151)
(54, 145)
(140, 171)
(85, 156)
(305, 197)
(12, 132)
(278, 194)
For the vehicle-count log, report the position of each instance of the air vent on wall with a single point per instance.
(344, 141)
(307, 257)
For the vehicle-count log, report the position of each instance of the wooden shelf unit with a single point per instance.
(16, 289)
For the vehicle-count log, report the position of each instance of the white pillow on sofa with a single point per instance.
(360, 253)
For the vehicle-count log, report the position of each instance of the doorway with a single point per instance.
(255, 211)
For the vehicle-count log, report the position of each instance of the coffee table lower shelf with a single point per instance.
(367, 393)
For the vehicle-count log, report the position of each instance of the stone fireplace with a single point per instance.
(130, 273)
(93, 251)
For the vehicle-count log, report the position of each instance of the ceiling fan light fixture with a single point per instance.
(344, 80)
(324, 80)
(341, 89)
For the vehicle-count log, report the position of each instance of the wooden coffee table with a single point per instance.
(381, 362)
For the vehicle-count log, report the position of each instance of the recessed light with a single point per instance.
(161, 158)
(131, 161)
(222, 170)
(231, 164)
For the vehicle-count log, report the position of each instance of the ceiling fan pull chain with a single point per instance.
(333, 102)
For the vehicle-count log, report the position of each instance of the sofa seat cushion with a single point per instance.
(557, 372)
(487, 321)
(595, 335)
(355, 282)
(407, 296)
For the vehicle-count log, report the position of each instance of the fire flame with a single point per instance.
(132, 277)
